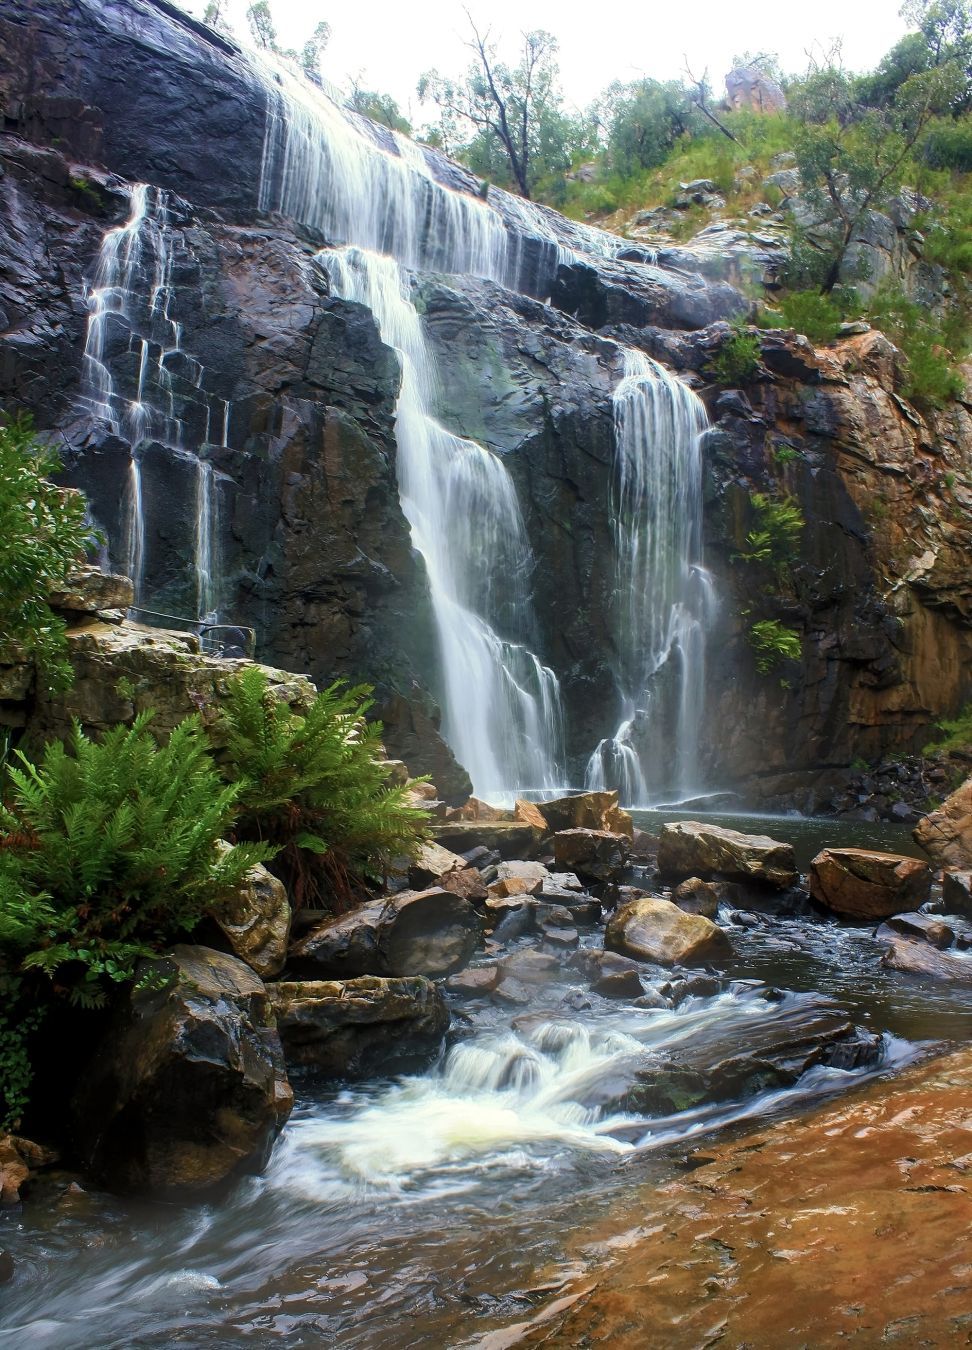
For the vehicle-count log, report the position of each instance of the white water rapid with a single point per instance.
(663, 597)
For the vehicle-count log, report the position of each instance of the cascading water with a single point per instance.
(502, 705)
(131, 345)
(663, 596)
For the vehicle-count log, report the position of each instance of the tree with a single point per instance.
(381, 108)
(313, 50)
(850, 156)
(513, 109)
(262, 27)
(44, 534)
(214, 14)
(645, 119)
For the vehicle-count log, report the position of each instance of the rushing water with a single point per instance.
(664, 596)
(502, 705)
(425, 1210)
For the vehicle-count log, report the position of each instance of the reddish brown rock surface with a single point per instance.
(866, 885)
(850, 1226)
(946, 834)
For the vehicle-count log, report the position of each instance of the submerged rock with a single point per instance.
(946, 834)
(430, 932)
(189, 1087)
(918, 957)
(862, 884)
(350, 1028)
(656, 930)
(689, 848)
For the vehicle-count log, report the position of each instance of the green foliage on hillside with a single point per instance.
(773, 643)
(737, 361)
(956, 734)
(313, 784)
(44, 533)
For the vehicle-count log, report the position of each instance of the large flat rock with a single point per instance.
(693, 848)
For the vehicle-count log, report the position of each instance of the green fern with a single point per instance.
(312, 783)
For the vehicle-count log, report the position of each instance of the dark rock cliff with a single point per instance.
(316, 556)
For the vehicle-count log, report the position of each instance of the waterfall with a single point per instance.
(132, 345)
(501, 704)
(663, 595)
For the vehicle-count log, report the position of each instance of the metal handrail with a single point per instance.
(239, 639)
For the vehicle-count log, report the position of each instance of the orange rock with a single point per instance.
(867, 885)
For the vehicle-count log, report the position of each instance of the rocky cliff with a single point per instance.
(286, 395)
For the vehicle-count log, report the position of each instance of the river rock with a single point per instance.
(473, 981)
(18, 1159)
(917, 957)
(946, 834)
(656, 930)
(696, 896)
(468, 883)
(586, 810)
(597, 855)
(432, 863)
(518, 877)
(957, 893)
(431, 932)
(256, 922)
(530, 967)
(530, 814)
(863, 884)
(189, 1087)
(352, 1028)
(689, 848)
(508, 838)
(925, 927)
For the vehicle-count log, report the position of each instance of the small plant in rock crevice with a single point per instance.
(737, 362)
(773, 643)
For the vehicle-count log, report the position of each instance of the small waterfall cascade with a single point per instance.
(663, 596)
(133, 346)
(502, 705)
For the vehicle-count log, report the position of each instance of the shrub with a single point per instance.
(956, 733)
(772, 643)
(775, 536)
(108, 852)
(816, 316)
(738, 358)
(313, 784)
(948, 145)
(43, 535)
(930, 377)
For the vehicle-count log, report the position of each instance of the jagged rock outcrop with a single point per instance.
(862, 884)
(288, 394)
(946, 833)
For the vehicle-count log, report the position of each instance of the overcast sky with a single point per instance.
(389, 43)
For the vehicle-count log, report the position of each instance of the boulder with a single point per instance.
(474, 809)
(18, 1159)
(89, 590)
(696, 896)
(946, 834)
(862, 884)
(689, 848)
(468, 883)
(508, 838)
(432, 863)
(189, 1087)
(917, 957)
(431, 932)
(598, 855)
(530, 814)
(351, 1028)
(957, 893)
(588, 811)
(473, 982)
(255, 921)
(530, 967)
(923, 927)
(656, 930)
(519, 877)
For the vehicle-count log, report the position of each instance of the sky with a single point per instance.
(388, 44)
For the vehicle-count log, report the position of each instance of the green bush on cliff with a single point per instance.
(773, 642)
(738, 358)
(816, 316)
(956, 734)
(43, 536)
(776, 532)
(313, 784)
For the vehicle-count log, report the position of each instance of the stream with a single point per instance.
(430, 1209)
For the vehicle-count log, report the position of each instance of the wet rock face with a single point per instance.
(255, 921)
(429, 933)
(652, 929)
(859, 883)
(946, 834)
(690, 848)
(352, 1028)
(595, 855)
(189, 1089)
